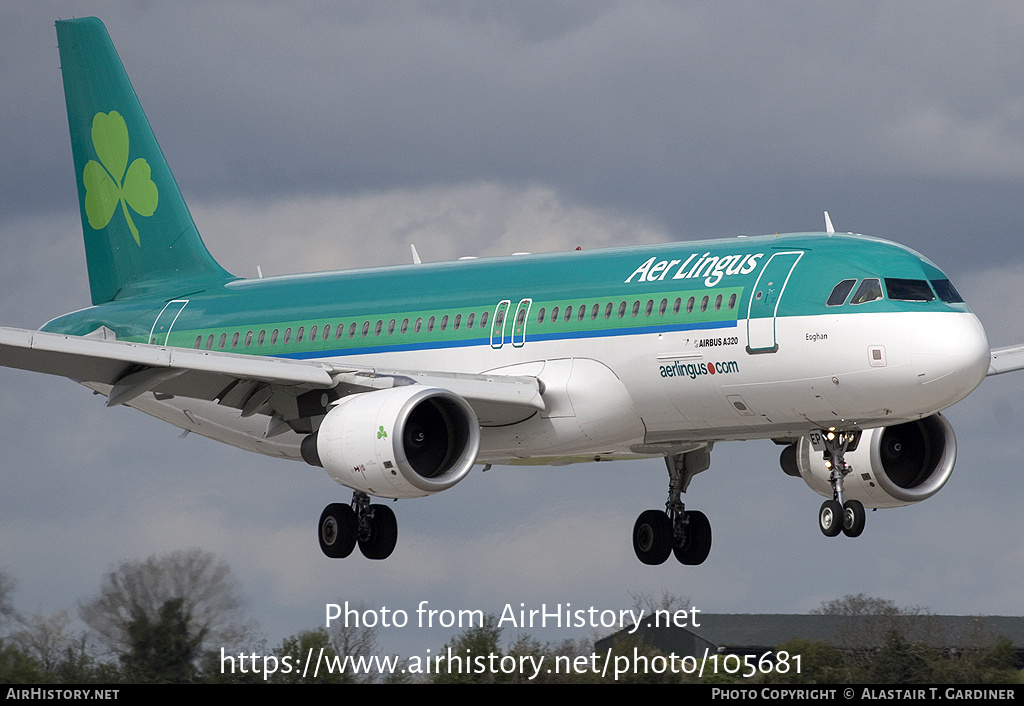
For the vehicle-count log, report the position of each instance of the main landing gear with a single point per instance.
(373, 527)
(658, 533)
(837, 515)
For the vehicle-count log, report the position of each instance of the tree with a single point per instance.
(6, 594)
(188, 597)
(165, 649)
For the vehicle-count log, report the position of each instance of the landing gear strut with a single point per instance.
(838, 515)
(373, 527)
(658, 533)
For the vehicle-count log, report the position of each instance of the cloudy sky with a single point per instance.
(321, 136)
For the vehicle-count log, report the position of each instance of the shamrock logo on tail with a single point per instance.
(107, 184)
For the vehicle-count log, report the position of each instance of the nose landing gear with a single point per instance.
(837, 515)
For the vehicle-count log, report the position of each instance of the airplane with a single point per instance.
(397, 381)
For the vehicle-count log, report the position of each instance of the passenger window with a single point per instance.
(732, 301)
(300, 334)
(469, 320)
(718, 302)
(868, 291)
(352, 330)
(273, 337)
(650, 307)
(946, 291)
(568, 313)
(405, 326)
(704, 304)
(430, 325)
(840, 292)
(234, 340)
(262, 337)
(366, 328)
(622, 309)
(689, 305)
(418, 325)
(663, 308)
(376, 329)
(636, 308)
(391, 327)
(223, 340)
(248, 339)
(312, 333)
(582, 312)
(608, 311)
(327, 331)
(209, 342)
(444, 322)
(677, 305)
(483, 319)
(287, 335)
(458, 322)
(199, 341)
(540, 315)
(554, 314)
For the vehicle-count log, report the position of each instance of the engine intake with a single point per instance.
(403, 442)
(892, 466)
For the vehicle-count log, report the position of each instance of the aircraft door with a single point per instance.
(165, 321)
(519, 327)
(498, 324)
(764, 301)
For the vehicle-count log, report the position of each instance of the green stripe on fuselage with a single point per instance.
(633, 276)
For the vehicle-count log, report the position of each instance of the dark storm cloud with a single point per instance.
(713, 120)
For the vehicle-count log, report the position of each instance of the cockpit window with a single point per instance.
(868, 291)
(908, 290)
(946, 291)
(840, 292)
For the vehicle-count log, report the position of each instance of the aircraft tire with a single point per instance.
(383, 533)
(830, 518)
(697, 545)
(337, 530)
(652, 537)
(853, 518)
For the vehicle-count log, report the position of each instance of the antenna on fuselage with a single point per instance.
(415, 255)
(828, 224)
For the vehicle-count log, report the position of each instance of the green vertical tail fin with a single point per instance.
(140, 239)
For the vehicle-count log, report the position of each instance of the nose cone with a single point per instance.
(950, 355)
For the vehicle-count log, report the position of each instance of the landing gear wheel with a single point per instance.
(338, 530)
(830, 518)
(652, 537)
(697, 543)
(853, 518)
(380, 536)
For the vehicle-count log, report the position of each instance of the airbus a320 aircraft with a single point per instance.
(398, 380)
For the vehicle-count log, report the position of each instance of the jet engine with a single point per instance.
(892, 466)
(403, 442)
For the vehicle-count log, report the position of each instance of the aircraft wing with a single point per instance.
(249, 383)
(1006, 359)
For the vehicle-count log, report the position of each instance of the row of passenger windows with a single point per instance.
(568, 313)
(897, 289)
(595, 310)
(353, 328)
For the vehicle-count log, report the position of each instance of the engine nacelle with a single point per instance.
(403, 442)
(892, 466)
